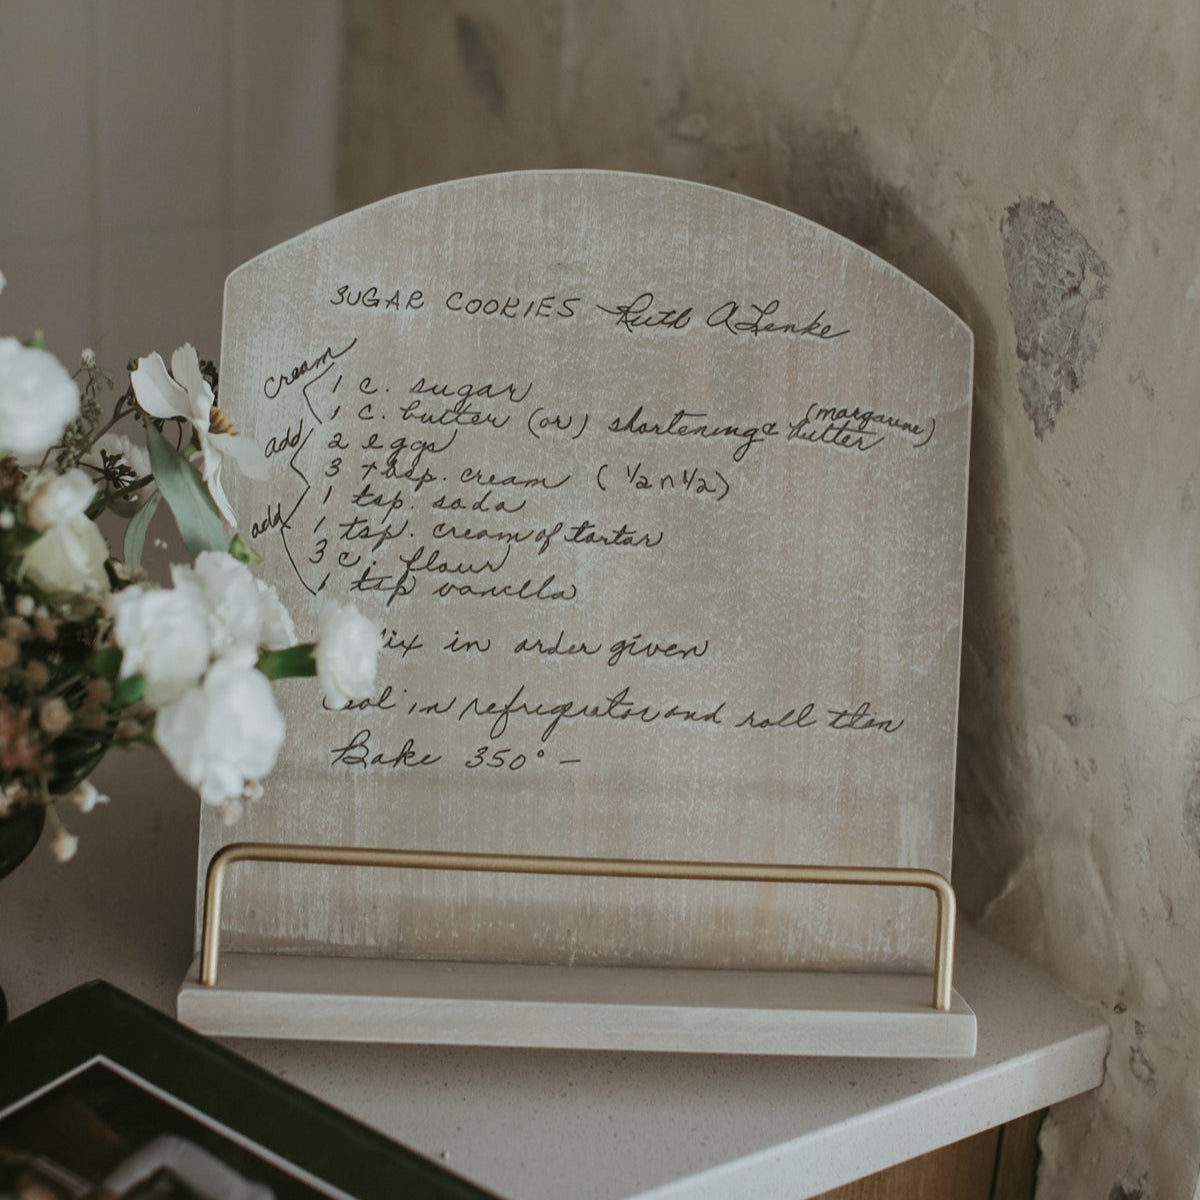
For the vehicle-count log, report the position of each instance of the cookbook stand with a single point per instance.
(658, 495)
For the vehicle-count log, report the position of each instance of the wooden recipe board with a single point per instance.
(658, 494)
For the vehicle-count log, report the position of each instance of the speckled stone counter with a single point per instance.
(541, 1125)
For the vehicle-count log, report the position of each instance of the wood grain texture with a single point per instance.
(960, 1171)
(997, 1164)
(1017, 1158)
(617, 414)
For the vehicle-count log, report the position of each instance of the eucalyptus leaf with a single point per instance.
(135, 531)
(195, 513)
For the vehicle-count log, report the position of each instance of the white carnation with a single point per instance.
(163, 634)
(231, 598)
(51, 499)
(68, 560)
(38, 399)
(278, 631)
(348, 648)
(223, 734)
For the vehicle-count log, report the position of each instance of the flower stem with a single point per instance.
(290, 663)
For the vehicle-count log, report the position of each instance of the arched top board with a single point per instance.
(658, 493)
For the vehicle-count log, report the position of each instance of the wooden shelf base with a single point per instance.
(581, 1008)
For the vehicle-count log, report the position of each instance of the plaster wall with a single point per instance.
(1033, 165)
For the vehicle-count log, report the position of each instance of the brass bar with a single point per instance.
(533, 864)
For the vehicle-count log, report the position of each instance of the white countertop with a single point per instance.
(543, 1124)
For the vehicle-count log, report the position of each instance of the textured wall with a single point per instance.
(1035, 166)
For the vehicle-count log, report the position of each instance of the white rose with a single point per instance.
(68, 560)
(223, 733)
(278, 631)
(50, 498)
(231, 598)
(348, 646)
(163, 634)
(38, 399)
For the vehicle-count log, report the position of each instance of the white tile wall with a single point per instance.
(147, 147)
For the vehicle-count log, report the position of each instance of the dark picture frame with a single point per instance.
(102, 1095)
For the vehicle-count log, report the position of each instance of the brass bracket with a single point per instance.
(531, 864)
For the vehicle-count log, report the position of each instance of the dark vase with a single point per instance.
(19, 832)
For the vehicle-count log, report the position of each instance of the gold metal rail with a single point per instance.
(530, 864)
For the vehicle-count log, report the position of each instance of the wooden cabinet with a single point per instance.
(998, 1164)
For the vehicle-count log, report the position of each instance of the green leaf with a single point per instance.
(104, 663)
(131, 690)
(244, 552)
(135, 531)
(195, 513)
(286, 664)
(18, 539)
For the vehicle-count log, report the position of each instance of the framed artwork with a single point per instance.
(104, 1098)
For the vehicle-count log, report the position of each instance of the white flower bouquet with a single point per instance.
(92, 654)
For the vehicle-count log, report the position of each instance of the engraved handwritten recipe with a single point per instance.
(657, 495)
